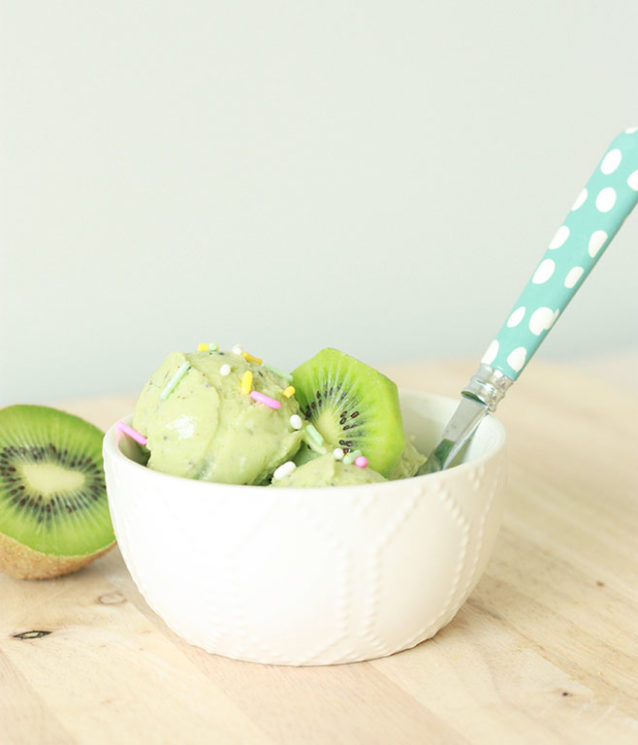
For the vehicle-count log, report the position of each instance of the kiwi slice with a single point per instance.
(353, 406)
(54, 516)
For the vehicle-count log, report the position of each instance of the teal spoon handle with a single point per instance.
(598, 212)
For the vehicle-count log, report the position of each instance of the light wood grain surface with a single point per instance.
(545, 650)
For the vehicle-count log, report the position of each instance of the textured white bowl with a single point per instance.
(311, 576)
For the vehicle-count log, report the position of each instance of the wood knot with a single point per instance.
(112, 598)
(31, 634)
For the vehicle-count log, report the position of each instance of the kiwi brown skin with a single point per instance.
(22, 562)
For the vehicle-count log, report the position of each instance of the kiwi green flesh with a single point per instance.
(353, 406)
(52, 491)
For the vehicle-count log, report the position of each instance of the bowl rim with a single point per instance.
(112, 436)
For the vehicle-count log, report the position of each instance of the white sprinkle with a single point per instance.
(295, 421)
(337, 453)
(237, 349)
(283, 470)
(224, 370)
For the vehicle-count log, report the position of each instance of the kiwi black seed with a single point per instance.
(54, 515)
(353, 406)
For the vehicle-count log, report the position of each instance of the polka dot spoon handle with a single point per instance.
(598, 212)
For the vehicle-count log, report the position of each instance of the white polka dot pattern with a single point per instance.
(596, 242)
(574, 274)
(562, 234)
(544, 272)
(541, 320)
(516, 359)
(606, 199)
(580, 200)
(516, 317)
(490, 353)
(594, 219)
(611, 161)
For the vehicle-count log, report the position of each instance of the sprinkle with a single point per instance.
(295, 421)
(314, 434)
(256, 396)
(288, 392)
(213, 347)
(246, 383)
(224, 370)
(361, 461)
(251, 358)
(281, 373)
(132, 433)
(350, 458)
(170, 386)
(337, 453)
(203, 347)
(237, 349)
(283, 470)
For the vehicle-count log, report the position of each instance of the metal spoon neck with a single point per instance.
(488, 386)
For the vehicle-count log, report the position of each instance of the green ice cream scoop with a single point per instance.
(206, 428)
(409, 462)
(326, 471)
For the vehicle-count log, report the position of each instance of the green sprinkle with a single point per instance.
(281, 373)
(213, 347)
(314, 434)
(170, 386)
(351, 457)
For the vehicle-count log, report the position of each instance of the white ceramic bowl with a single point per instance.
(311, 576)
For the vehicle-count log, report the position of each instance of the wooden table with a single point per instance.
(545, 650)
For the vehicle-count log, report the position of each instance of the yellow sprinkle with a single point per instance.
(246, 383)
(288, 392)
(203, 347)
(251, 358)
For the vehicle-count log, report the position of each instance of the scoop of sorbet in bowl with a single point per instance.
(207, 428)
(327, 471)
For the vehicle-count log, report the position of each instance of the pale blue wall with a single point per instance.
(381, 177)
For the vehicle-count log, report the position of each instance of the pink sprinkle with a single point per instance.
(256, 396)
(133, 433)
(361, 461)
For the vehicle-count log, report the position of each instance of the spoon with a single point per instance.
(596, 216)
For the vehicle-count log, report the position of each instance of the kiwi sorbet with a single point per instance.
(226, 417)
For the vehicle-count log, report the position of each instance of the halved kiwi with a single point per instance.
(353, 406)
(54, 516)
